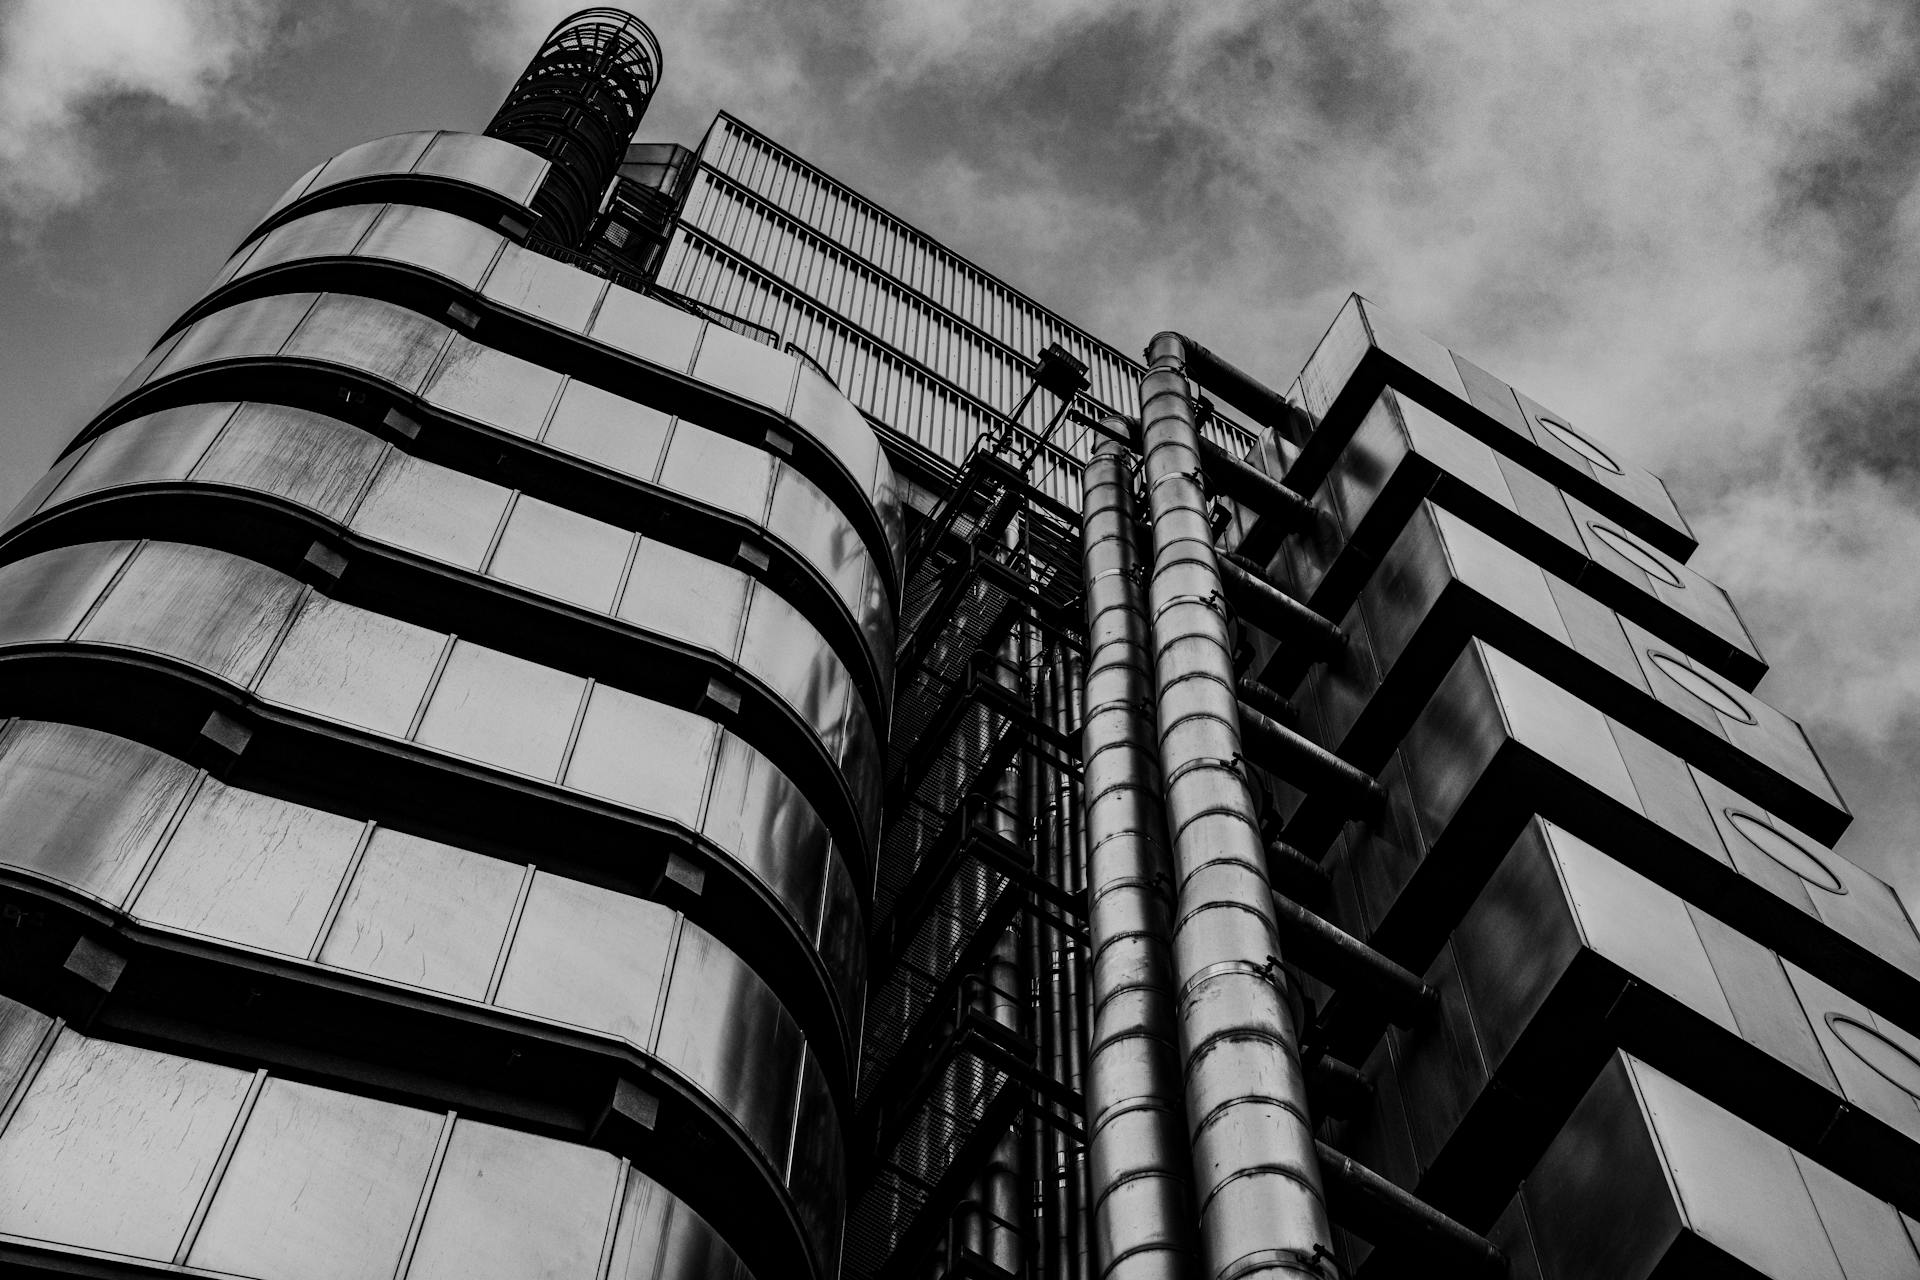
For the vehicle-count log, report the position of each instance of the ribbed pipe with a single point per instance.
(1256, 1176)
(1137, 1144)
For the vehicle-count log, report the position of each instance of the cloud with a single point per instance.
(59, 59)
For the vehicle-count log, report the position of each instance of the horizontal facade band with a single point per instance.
(343, 706)
(588, 455)
(125, 1160)
(554, 319)
(374, 527)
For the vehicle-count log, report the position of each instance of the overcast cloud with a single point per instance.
(1693, 228)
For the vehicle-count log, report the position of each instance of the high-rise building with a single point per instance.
(603, 709)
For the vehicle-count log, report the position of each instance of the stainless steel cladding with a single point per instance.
(1257, 1178)
(1137, 1135)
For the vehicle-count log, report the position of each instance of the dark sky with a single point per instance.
(1693, 228)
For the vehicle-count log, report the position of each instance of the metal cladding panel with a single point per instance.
(1366, 348)
(1649, 1175)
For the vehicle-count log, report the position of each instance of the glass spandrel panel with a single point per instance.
(44, 597)
(217, 611)
(506, 711)
(561, 553)
(492, 387)
(353, 665)
(718, 469)
(393, 154)
(251, 869)
(328, 233)
(757, 814)
(608, 429)
(724, 1028)
(833, 420)
(112, 1145)
(160, 446)
(82, 807)
(380, 338)
(807, 519)
(544, 289)
(645, 754)
(322, 1186)
(640, 326)
(257, 327)
(509, 1206)
(588, 956)
(485, 162)
(319, 462)
(424, 913)
(432, 509)
(443, 243)
(687, 596)
(749, 369)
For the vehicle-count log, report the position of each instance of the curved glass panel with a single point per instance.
(216, 611)
(331, 231)
(443, 243)
(385, 340)
(115, 1148)
(44, 597)
(583, 420)
(253, 329)
(298, 189)
(395, 153)
(168, 445)
(305, 457)
(480, 161)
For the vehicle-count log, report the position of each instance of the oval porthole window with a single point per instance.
(1702, 686)
(1785, 850)
(1877, 1051)
(1566, 435)
(1635, 552)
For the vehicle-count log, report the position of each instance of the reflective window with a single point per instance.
(714, 468)
(328, 233)
(753, 370)
(382, 338)
(689, 597)
(485, 162)
(439, 242)
(432, 509)
(43, 597)
(508, 1206)
(353, 665)
(588, 956)
(725, 1029)
(214, 610)
(317, 461)
(322, 1186)
(645, 754)
(112, 1145)
(250, 868)
(82, 807)
(258, 327)
(394, 154)
(760, 816)
(640, 326)
(492, 387)
(503, 710)
(609, 429)
(424, 913)
(560, 553)
(548, 290)
(160, 446)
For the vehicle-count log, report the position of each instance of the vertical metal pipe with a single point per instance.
(1256, 1176)
(1141, 1201)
